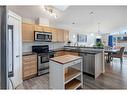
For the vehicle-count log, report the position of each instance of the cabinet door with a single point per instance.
(29, 66)
(66, 36)
(54, 35)
(38, 28)
(27, 32)
(47, 29)
(86, 57)
(92, 64)
(60, 35)
(83, 61)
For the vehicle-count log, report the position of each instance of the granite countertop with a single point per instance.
(65, 59)
(94, 47)
(28, 53)
(80, 50)
(71, 49)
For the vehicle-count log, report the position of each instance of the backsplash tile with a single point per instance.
(27, 47)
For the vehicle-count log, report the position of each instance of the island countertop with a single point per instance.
(65, 59)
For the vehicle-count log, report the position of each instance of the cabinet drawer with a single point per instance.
(26, 59)
(34, 59)
(33, 56)
(26, 63)
(30, 58)
(29, 64)
(29, 67)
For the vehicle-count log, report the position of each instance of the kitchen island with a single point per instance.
(65, 72)
(93, 58)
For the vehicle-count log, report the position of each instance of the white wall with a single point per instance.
(42, 21)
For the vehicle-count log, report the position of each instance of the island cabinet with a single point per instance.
(92, 64)
(65, 72)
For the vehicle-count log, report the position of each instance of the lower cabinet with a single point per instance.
(92, 64)
(29, 66)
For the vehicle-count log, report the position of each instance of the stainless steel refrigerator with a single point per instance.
(3, 48)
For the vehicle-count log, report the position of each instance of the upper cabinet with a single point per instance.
(58, 35)
(27, 32)
(66, 36)
(54, 35)
(47, 29)
(38, 28)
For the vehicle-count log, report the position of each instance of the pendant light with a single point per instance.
(98, 32)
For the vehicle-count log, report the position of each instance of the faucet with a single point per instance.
(76, 44)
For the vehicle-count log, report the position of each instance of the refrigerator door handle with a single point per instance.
(11, 57)
(17, 55)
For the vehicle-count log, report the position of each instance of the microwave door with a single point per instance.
(40, 37)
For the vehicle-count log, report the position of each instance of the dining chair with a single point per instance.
(106, 54)
(119, 54)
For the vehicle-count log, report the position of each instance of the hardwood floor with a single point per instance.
(115, 77)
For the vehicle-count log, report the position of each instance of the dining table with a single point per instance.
(109, 53)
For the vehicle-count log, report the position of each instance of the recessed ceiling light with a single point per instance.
(91, 13)
(73, 22)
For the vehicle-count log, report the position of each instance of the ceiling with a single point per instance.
(81, 18)
(111, 18)
(33, 12)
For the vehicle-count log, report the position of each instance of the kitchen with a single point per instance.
(52, 56)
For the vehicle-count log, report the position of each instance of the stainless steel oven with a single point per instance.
(43, 63)
(43, 36)
(43, 58)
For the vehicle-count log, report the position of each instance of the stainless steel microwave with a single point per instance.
(43, 36)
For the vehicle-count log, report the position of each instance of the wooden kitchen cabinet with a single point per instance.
(29, 66)
(38, 28)
(47, 29)
(54, 35)
(60, 35)
(27, 32)
(66, 36)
